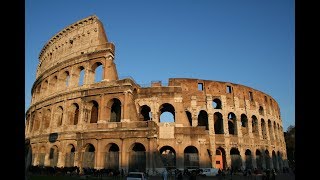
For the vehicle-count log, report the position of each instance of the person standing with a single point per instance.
(165, 174)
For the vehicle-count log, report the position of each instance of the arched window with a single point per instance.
(167, 113)
(203, 119)
(94, 112)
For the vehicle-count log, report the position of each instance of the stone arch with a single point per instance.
(267, 159)
(191, 157)
(33, 114)
(275, 130)
(112, 156)
(27, 123)
(137, 157)
(54, 155)
(255, 128)
(65, 80)
(53, 83)
(259, 159)
(96, 72)
(58, 115)
(94, 111)
(270, 130)
(80, 75)
(221, 158)
(274, 160)
(74, 114)
(203, 119)
(70, 153)
(44, 87)
(236, 161)
(261, 111)
(114, 110)
(46, 118)
(88, 156)
(216, 103)
(218, 123)
(263, 129)
(232, 123)
(168, 157)
(145, 113)
(248, 159)
(189, 116)
(38, 91)
(244, 125)
(37, 120)
(42, 155)
(280, 160)
(169, 111)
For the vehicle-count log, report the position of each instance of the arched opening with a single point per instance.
(221, 158)
(88, 156)
(258, 159)
(232, 123)
(53, 156)
(52, 84)
(191, 157)
(264, 129)
(267, 159)
(275, 130)
(236, 161)
(42, 155)
(145, 113)
(168, 157)
(189, 116)
(274, 160)
(74, 114)
(37, 121)
(218, 123)
(167, 113)
(261, 111)
(280, 160)
(81, 76)
(94, 112)
(244, 125)
(46, 119)
(216, 104)
(270, 130)
(112, 157)
(59, 116)
(115, 110)
(98, 72)
(67, 78)
(203, 119)
(248, 160)
(69, 159)
(255, 126)
(137, 158)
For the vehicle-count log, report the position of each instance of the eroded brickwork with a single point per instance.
(73, 120)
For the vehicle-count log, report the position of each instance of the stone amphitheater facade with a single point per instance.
(76, 120)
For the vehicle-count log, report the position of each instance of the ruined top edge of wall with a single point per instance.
(66, 30)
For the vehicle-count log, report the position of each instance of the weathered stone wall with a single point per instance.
(118, 115)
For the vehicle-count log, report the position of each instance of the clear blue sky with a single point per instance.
(248, 42)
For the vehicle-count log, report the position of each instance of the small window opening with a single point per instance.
(229, 89)
(200, 86)
(250, 96)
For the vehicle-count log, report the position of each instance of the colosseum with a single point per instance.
(75, 119)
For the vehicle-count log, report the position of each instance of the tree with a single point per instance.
(289, 137)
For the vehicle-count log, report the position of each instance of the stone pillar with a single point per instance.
(243, 157)
(225, 123)
(110, 71)
(61, 159)
(228, 157)
(102, 110)
(99, 156)
(254, 161)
